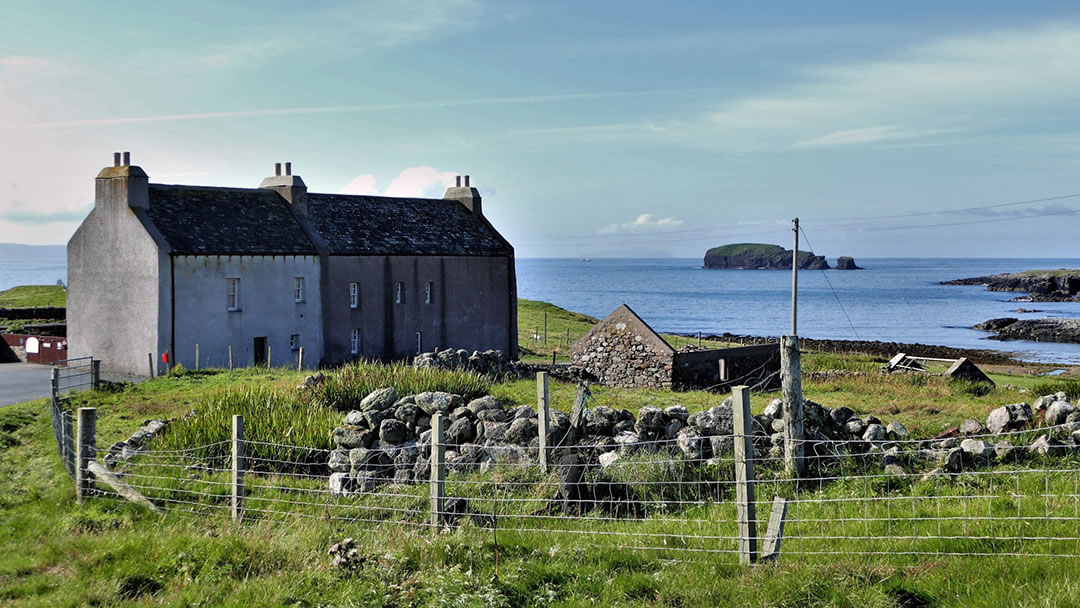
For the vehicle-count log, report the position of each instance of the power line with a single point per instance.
(829, 283)
(968, 223)
(922, 213)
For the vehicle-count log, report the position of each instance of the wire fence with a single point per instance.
(1011, 494)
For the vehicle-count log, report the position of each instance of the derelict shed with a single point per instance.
(623, 350)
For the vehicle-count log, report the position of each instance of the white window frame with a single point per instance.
(419, 341)
(355, 341)
(354, 295)
(429, 287)
(232, 294)
(399, 292)
(298, 289)
(294, 341)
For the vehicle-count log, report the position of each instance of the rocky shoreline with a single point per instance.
(756, 256)
(874, 347)
(1041, 286)
(1036, 330)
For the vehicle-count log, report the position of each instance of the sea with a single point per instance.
(891, 299)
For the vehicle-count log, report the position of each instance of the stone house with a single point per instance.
(622, 350)
(265, 271)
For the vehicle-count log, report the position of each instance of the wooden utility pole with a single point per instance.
(795, 281)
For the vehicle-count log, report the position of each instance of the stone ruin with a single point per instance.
(388, 439)
(486, 363)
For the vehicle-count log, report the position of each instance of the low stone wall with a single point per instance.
(33, 313)
(618, 356)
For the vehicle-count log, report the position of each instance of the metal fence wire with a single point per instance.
(1014, 494)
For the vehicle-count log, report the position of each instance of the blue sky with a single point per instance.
(592, 129)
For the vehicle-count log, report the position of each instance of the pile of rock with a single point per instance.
(388, 440)
(132, 446)
(488, 363)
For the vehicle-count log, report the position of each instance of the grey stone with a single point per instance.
(1045, 446)
(892, 456)
(495, 432)
(355, 418)
(407, 413)
(715, 421)
(1009, 417)
(432, 402)
(352, 437)
(461, 412)
(407, 400)
(600, 420)
(375, 417)
(691, 443)
(954, 460)
(608, 458)
(403, 476)
(972, 427)
(897, 432)
(521, 430)
(671, 428)
(777, 425)
(1007, 452)
(934, 474)
(628, 442)
(379, 399)
(622, 426)
(1044, 402)
(460, 431)
(677, 412)
(491, 415)
(856, 427)
(977, 450)
(1057, 412)
(341, 484)
(339, 461)
(524, 411)
(894, 470)
(486, 402)
(874, 432)
(841, 415)
(392, 431)
(775, 409)
(720, 445)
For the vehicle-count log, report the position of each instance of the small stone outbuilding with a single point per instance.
(623, 350)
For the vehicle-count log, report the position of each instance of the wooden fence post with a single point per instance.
(300, 359)
(791, 384)
(237, 466)
(438, 469)
(54, 386)
(67, 436)
(196, 356)
(150, 358)
(775, 533)
(95, 373)
(744, 475)
(543, 410)
(230, 357)
(269, 351)
(545, 327)
(86, 450)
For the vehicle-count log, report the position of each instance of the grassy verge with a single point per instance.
(33, 296)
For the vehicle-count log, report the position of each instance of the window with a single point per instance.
(354, 295)
(232, 294)
(298, 291)
(399, 292)
(427, 292)
(294, 341)
(355, 341)
(418, 351)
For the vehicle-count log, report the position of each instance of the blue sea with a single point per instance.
(892, 299)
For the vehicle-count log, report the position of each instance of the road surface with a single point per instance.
(23, 381)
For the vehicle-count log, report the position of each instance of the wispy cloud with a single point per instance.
(866, 135)
(36, 218)
(646, 222)
(413, 182)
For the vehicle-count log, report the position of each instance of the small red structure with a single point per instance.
(44, 350)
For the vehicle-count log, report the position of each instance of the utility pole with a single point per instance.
(795, 280)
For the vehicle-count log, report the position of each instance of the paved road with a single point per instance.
(23, 381)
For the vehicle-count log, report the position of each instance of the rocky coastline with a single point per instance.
(1036, 330)
(756, 256)
(1040, 285)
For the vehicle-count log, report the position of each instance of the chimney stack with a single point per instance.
(288, 168)
(289, 186)
(277, 169)
(121, 186)
(466, 194)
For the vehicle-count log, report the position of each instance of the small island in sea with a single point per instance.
(759, 256)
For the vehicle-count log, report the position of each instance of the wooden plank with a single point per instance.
(85, 451)
(438, 470)
(775, 533)
(237, 502)
(543, 416)
(107, 477)
(744, 475)
(791, 387)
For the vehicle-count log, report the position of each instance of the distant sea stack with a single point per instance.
(846, 262)
(757, 256)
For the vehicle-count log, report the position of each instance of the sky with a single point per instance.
(592, 129)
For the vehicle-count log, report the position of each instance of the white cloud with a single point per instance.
(414, 182)
(646, 222)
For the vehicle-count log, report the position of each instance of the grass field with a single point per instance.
(33, 296)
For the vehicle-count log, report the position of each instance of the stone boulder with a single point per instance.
(438, 402)
(1009, 417)
(716, 421)
(1057, 412)
(379, 399)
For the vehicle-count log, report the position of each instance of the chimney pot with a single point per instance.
(458, 184)
(288, 168)
(466, 181)
(116, 159)
(127, 158)
(277, 169)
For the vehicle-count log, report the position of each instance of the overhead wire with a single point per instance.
(831, 288)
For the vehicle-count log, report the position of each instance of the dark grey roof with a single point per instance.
(378, 225)
(226, 221)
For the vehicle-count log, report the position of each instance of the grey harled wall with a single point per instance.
(267, 308)
(471, 308)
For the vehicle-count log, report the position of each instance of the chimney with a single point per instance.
(122, 185)
(289, 186)
(466, 194)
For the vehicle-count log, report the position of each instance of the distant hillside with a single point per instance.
(33, 253)
(759, 256)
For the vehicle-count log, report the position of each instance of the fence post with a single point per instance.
(196, 356)
(438, 470)
(150, 358)
(543, 409)
(95, 373)
(237, 466)
(230, 357)
(791, 381)
(54, 386)
(744, 475)
(300, 359)
(269, 351)
(67, 436)
(86, 450)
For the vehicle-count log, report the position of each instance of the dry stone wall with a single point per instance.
(619, 356)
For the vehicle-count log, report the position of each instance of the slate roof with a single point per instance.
(251, 221)
(226, 221)
(379, 225)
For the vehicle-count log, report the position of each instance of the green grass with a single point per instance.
(33, 296)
